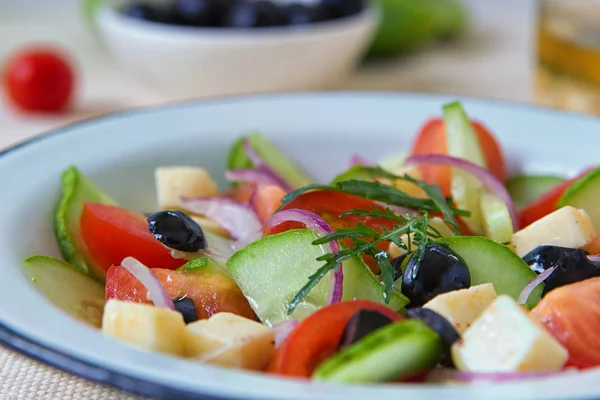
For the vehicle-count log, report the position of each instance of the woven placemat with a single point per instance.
(22, 378)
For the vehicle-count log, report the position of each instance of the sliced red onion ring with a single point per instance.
(238, 219)
(265, 168)
(251, 176)
(317, 224)
(156, 290)
(533, 284)
(283, 329)
(441, 375)
(357, 159)
(595, 258)
(487, 179)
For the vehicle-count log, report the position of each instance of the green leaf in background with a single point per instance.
(408, 25)
(90, 7)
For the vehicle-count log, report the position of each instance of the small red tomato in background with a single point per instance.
(39, 79)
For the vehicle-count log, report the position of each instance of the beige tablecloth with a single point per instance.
(22, 378)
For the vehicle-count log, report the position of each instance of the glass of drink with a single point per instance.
(568, 55)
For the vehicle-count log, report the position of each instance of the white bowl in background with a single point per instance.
(196, 62)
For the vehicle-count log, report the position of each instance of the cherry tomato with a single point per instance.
(329, 204)
(111, 233)
(547, 202)
(572, 314)
(39, 79)
(212, 293)
(432, 140)
(317, 338)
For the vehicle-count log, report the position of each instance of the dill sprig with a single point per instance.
(414, 226)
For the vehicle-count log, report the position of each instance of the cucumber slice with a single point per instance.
(584, 193)
(491, 262)
(266, 150)
(76, 189)
(273, 269)
(355, 172)
(463, 143)
(68, 288)
(393, 352)
(525, 189)
(496, 218)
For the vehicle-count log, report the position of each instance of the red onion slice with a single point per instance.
(443, 375)
(357, 159)
(321, 227)
(595, 258)
(283, 330)
(251, 176)
(487, 179)
(156, 290)
(265, 168)
(533, 284)
(238, 219)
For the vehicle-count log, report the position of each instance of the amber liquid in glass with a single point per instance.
(568, 41)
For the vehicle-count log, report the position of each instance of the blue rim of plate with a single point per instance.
(74, 365)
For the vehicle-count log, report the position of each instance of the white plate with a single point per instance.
(321, 131)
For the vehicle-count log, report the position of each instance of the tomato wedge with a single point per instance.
(431, 139)
(212, 293)
(329, 204)
(546, 203)
(317, 338)
(572, 314)
(112, 233)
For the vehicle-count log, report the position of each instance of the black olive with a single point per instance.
(250, 14)
(342, 8)
(443, 328)
(397, 264)
(202, 12)
(571, 267)
(440, 271)
(187, 308)
(543, 257)
(361, 324)
(177, 230)
(300, 14)
(144, 12)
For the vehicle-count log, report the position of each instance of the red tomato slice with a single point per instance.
(572, 314)
(111, 233)
(211, 293)
(432, 140)
(546, 203)
(329, 204)
(318, 336)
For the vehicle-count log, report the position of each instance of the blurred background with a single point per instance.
(66, 60)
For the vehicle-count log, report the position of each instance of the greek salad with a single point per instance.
(429, 267)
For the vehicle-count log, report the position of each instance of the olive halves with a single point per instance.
(177, 230)
(187, 308)
(572, 265)
(447, 333)
(441, 270)
(361, 324)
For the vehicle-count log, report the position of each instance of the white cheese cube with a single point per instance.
(566, 227)
(146, 326)
(462, 307)
(229, 340)
(173, 183)
(435, 222)
(506, 339)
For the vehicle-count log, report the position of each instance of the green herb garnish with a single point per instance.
(415, 226)
(194, 265)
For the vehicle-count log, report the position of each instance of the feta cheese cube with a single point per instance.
(173, 183)
(566, 227)
(462, 307)
(146, 326)
(229, 340)
(506, 339)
